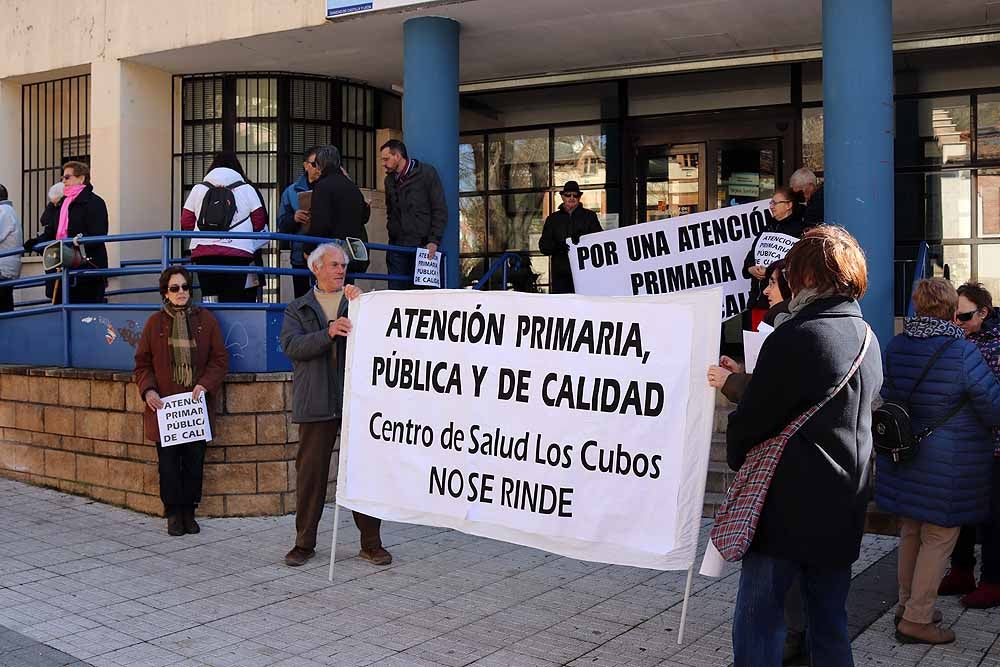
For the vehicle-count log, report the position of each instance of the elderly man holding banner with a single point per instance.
(314, 337)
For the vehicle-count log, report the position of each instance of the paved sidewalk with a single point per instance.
(86, 583)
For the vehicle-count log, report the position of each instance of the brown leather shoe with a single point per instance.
(175, 525)
(937, 618)
(377, 556)
(908, 632)
(191, 526)
(298, 556)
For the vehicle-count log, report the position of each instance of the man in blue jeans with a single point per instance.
(416, 209)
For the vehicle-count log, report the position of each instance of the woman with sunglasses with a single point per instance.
(979, 320)
(786, 218)
(181, 350)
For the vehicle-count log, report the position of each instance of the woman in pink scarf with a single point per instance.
(79, 212)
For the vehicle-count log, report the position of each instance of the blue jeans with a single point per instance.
(759, 621)
(401, 263)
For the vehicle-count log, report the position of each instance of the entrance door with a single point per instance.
(746, 170)
(670, 181)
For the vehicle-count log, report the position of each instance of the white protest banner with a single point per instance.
(578, 425)
(183, 419)
(427, 271)
(771, 247)
(688, 252)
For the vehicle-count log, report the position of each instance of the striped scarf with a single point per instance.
(182, 345)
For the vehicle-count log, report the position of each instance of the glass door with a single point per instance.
(670, 181)
(746, 170)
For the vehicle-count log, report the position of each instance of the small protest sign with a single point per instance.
(772, 246)
(427, 271)
(183, 419)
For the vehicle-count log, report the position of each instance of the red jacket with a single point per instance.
(153, 362)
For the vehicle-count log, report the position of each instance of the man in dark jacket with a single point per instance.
(569, 221)
(339, 210)
(416, 209)
(293, 221)
(314, 337)
(803, 182)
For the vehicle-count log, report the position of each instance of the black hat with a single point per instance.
(571, 186)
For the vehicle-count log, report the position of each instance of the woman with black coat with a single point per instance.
(80, 211)
(338, 207)
(813, 518)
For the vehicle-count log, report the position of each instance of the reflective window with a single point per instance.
(953, 262)
(988, 203)
(989, 268)
(933, 130)
(471, 164)
(472, 224)
(988, 127)
(516, 221)
(580, 154)
(812, 139)
(519, 160)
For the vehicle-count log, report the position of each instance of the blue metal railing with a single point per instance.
(503, 261)
(153, 266)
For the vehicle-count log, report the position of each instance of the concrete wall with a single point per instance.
(45, 35)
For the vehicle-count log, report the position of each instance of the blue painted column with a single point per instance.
(430, 113)
(858, 141)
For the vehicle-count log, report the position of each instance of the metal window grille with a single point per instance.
(55, 128)
(269, 119)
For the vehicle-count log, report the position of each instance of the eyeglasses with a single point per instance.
(66, 177)
(965, 317)
(183, 287)
(775, 202)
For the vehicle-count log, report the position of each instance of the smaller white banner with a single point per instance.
(752, 342)
(772, 246)
(427, 272)
(183, 419)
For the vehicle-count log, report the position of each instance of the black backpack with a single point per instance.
(218, 208)
(892, 430)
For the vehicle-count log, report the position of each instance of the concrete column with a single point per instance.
(858, 140)
(430, 112)
(131, 158)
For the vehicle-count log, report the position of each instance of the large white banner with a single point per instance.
(688, 252)
(578, 425)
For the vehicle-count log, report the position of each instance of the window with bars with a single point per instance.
(270, 120)
(55, 128)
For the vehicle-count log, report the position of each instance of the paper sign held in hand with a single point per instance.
(752, 342)
(183, 419)
(772, 246)
(427, 272)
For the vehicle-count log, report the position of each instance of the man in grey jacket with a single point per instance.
(314, 337)
(10, 239)
(416, 209)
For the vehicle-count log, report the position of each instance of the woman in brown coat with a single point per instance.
(181, 350)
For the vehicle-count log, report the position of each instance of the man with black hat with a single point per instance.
(569, 221)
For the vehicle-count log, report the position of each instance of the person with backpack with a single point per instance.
(225, 202)
(934, 450)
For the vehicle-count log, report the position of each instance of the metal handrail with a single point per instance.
(152, 266)
(500, 261)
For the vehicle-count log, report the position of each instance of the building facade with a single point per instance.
(656, 108)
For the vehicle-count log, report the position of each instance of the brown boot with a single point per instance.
(908, 632)
(191, 526)
(175, 524)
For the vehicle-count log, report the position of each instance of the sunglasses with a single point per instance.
(184, 287)
(965, 317)
(66, 177)
(312, 163)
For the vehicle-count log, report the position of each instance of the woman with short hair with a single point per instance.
(813, 518)
(951, 396)
(180, 351)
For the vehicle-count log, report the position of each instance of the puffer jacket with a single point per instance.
(947, 483)
(987, 339)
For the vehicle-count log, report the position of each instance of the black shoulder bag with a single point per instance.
(892, 429)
